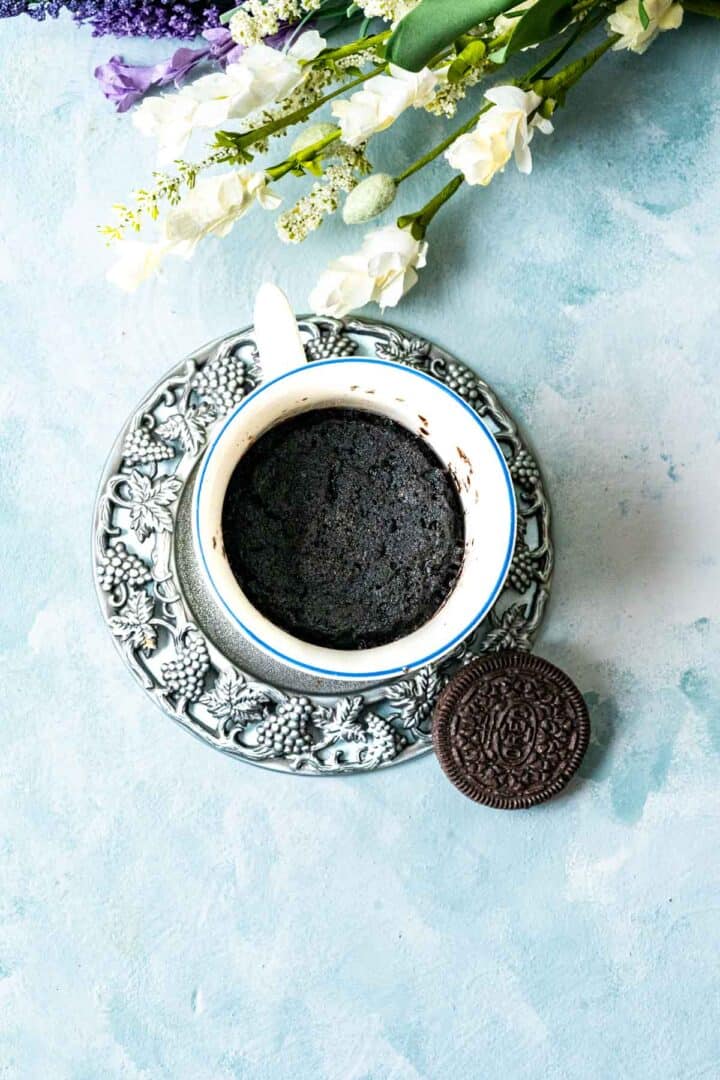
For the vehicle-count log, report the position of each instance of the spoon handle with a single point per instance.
(277, 336)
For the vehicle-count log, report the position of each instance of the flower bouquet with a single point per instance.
(281, 75)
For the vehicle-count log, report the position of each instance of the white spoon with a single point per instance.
(277, 336)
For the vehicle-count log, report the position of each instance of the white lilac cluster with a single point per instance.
(356, 60)
(308, 213)
(448, 95)
(391, 11)
(381, 101)
(261, 77)
(625, 20)
(305, 95)
(312, 86)
(504, 130)
(383, 270)
(258, 19)
(308, 91)
(211, 208)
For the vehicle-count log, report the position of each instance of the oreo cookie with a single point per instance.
(510, 730)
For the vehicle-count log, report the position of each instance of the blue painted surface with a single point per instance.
(165, 912)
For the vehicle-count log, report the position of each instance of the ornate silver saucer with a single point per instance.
(166, 627)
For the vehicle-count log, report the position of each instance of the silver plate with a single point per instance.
(168, 633)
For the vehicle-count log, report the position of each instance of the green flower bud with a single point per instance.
(311, 135)
(369, 199)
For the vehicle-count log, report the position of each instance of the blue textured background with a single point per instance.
(166, 912)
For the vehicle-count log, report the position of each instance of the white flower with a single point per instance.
(260, 77)
(500, 132)
(625, 20)
(170, 118)
(393, 256)
(346, 284)
(213, 206)
(380, 103)
(501, 23)
(307, 46)
(383, 270)
(138, 261)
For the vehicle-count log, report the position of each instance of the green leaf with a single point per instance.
(643, 15)
(544, 19)
(433, 25)
(711, 8)
(471, 56)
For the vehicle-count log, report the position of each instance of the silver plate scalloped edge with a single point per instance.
(179, 665)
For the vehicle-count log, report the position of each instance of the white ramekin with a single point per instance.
(460, 439)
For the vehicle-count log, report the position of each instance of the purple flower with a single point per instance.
(148, 18)
(124, 84)
(36, 9)
(128, 18)
(222, 46)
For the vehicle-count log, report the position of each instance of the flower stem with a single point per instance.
(419, 221)
(441, 146)
(296, 161)
(583, 27)
(352, 47)
(557, 86)
(554, 88)
(702, 7)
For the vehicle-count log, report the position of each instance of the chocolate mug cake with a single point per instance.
(343, 528)
(370, 562)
